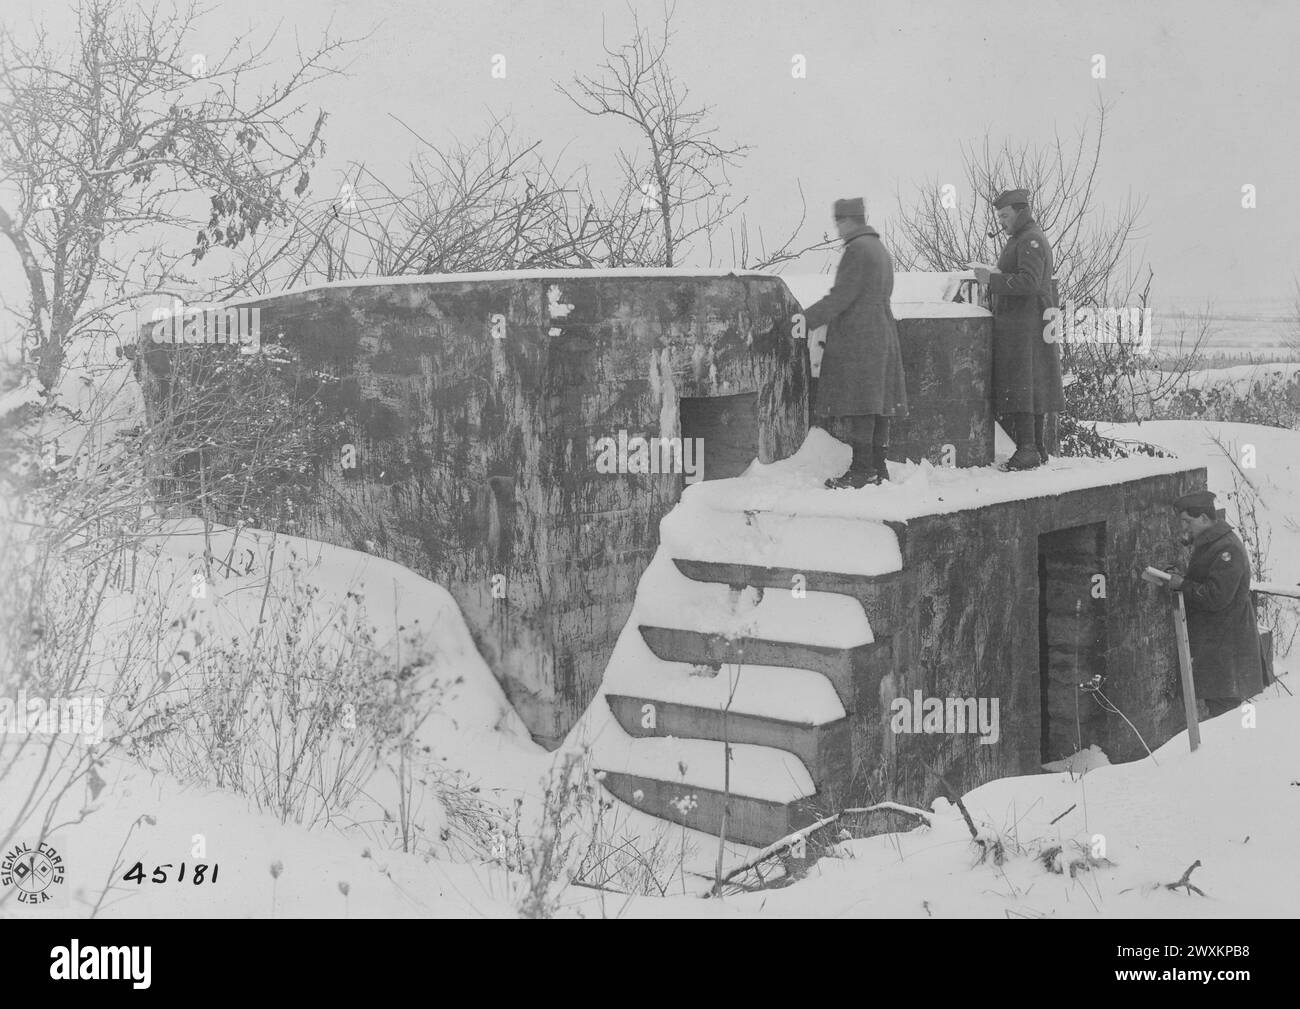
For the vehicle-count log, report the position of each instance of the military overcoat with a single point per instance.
(862, 365)
(1221, 626)
(1026, 368)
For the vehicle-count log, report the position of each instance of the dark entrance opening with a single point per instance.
(728, 426)
(1071, 637)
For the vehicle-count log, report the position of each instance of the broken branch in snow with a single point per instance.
(890, 807)
(952, 794)
(988, 846)
(786, 843)
(771, 851)
(1185, 881)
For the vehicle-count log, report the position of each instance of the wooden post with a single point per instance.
(1185, 670)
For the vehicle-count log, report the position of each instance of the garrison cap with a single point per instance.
(1197, 499)
(1010, 197)
(851, 208)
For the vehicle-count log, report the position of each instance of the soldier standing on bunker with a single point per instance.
(1226, 662)
(1026, 368)
(861, 384)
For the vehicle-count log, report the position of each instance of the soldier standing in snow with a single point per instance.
(861, 384)
(1226, 662)
(1026, 368)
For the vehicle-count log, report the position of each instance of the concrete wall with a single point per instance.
(1015, 602)
(948, 367)
(472, 406)
(962, 620)
(948, 364)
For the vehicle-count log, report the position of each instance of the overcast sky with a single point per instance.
(1205, 100)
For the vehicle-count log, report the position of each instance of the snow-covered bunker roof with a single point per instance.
(916, 294)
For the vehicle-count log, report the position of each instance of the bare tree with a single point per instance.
(495, 203)
(133, 152)
(746, 257)
(1127, 379)
(685, 183)
(939, 232)
(499, 202)
(1113, 377)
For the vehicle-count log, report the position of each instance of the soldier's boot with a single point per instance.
(880, 462)
(1026, 455)
(859, 473)
(1039, 443)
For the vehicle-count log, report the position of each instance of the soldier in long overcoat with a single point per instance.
(1226, 663)
(1026, 367)
(861, 386)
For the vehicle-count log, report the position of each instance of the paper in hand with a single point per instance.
(1155, 576)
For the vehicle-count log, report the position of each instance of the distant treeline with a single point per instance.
(1229, 358)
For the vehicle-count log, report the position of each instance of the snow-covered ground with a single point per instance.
(1133, 827)
(459, 720)
(1151, 391)
(1241, 377)
(1232, 805)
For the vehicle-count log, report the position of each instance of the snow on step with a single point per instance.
(766, 539)
(759, 772)
(780, 692)
(667, 598)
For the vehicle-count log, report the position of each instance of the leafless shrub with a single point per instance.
(684, 180)
(1088, 245)
(105, 143)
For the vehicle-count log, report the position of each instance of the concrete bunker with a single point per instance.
(478, 409)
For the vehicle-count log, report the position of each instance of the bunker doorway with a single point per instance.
(1071, 637)
(728, 429)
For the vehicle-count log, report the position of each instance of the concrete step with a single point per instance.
(677, 601)
(852, 671)
(879, 595)
(824, 749)
(724, 531)
(783, 692)
(756, 822)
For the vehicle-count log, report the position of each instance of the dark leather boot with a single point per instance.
(1026, 455)
(880, 462)
(859, 473)
(1039, 443)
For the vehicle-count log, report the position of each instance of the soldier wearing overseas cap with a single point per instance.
(1026, 368)
(861, 384)
(1226, 662)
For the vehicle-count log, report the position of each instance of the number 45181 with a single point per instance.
(198, 874)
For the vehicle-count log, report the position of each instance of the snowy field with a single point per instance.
(440, 813)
